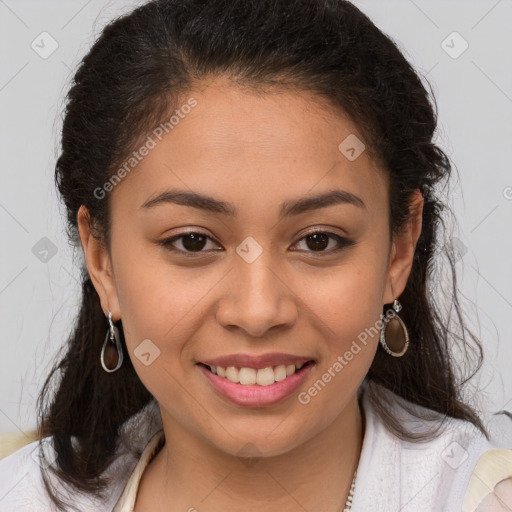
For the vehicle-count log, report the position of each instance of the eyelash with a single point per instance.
(344, 242)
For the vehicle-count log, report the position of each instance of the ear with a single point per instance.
(402, 250)
(99, 265)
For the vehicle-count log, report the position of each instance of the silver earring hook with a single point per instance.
(111, 325)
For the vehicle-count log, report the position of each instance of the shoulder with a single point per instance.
(431, 467)
(426, 428)
(21, 485)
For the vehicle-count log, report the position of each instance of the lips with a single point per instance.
(257, 361)
(261, 394)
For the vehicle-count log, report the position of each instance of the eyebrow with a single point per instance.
(288, 208)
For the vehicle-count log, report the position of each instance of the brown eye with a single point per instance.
(191, 242)
(319, 241)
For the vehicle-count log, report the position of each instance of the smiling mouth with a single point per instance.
(262, 376)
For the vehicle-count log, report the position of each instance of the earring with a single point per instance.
(111, 353)
(399, 340)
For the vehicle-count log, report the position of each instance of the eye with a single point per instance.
(318, 240)
(191, 241)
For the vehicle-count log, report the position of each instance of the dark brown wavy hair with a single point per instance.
(136, 74)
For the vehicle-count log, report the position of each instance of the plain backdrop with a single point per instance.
(462, 47)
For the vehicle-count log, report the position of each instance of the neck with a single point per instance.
(315, 475)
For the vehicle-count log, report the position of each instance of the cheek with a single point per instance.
(346, 310)
(159, 301)
(349, 296)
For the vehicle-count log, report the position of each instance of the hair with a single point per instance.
(136, 73)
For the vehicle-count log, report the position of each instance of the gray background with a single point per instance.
(39, 290)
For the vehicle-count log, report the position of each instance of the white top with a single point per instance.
(392, 474)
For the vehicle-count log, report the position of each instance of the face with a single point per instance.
(253, 279)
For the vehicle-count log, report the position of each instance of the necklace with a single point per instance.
(348, 504)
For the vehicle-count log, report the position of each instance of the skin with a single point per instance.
(256, 151)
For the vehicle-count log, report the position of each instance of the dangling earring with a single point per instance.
(399, 341)
(111, 352)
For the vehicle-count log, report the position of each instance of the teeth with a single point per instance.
(250, 376)
(232, 374)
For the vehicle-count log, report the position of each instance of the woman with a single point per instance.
(253, 185)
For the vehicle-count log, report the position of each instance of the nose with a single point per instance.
(258, 297)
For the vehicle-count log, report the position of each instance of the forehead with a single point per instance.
(255, 148)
